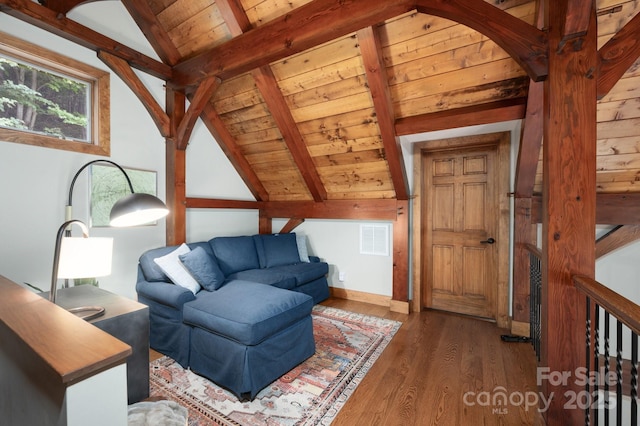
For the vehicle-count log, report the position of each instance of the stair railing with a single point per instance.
(606, 382)
(535, 282)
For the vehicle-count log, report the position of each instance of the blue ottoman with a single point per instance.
(246, 335)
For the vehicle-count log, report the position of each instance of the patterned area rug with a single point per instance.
(347, 345)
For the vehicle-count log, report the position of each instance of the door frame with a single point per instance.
(502, 141)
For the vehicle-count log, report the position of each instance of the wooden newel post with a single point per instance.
(569, 200)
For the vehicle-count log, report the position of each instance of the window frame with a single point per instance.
(99, 133)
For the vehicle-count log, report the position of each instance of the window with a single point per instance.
(50, 100)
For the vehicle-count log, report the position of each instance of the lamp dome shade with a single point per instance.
(137, 209)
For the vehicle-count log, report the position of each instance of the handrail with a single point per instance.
(533, 249)
(622, 308)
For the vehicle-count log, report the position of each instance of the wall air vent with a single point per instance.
(374, 239)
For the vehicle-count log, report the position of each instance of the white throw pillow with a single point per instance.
(175, 270)
(301, 242)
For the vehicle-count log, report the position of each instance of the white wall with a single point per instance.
(35, 180)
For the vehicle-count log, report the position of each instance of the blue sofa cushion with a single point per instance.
(265, 276)
(302, 272)
(204, 268)
(247, 312)
(277, 249)
(235, 253)
(151, 271)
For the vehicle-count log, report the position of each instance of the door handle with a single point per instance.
(491, 240)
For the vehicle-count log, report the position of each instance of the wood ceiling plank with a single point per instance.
(618, 161)
(491, 72)
(467, 97)
(618, 129)
(627, 145)
(329, 92)
(350, 145)
(349, 158)
(319, 57)
(343, 105)
(343, 135)
(336, 123)
(318, 79)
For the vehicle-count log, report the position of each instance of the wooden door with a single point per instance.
(461, 218)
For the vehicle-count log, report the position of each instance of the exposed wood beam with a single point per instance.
(316, 22)
(238, 23)
(618, 237)
(234, 16)
(525, 43)
(524, 230)
(175, 177)
(320, 21)
(148, 23)
(401, 246)
(617, 55)
(371, 50)
(569, 213)
(63, 6)
(378, 209)
(530, 142)
(577, 18)
(268, 87)
(233, 152)
(491, 112)
(125, 72)
(611, 209)
(291, 225)
(531, 137)
(618, 209)
(51, 21)
(197, 103)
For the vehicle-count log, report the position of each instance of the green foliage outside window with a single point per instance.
(35, 100)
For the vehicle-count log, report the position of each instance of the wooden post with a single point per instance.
(568, 219)
(176, 172)
(524, 233)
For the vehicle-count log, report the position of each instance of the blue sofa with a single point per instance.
(236, 310)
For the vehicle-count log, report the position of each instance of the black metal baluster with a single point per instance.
(607, 368)
(619, 373)
(634, 378)
(587, 410)
(596, 363)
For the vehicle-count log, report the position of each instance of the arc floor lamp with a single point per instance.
(88, 257)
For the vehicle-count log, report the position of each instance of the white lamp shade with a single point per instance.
(85, 257)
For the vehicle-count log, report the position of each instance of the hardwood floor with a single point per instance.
(433, 361)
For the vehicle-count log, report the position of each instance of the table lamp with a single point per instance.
(80, 257)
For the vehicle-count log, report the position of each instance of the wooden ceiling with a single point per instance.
(308, 98)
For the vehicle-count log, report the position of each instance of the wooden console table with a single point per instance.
(124, 319)
(59, 361)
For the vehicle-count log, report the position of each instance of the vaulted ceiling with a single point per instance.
(308, 98)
